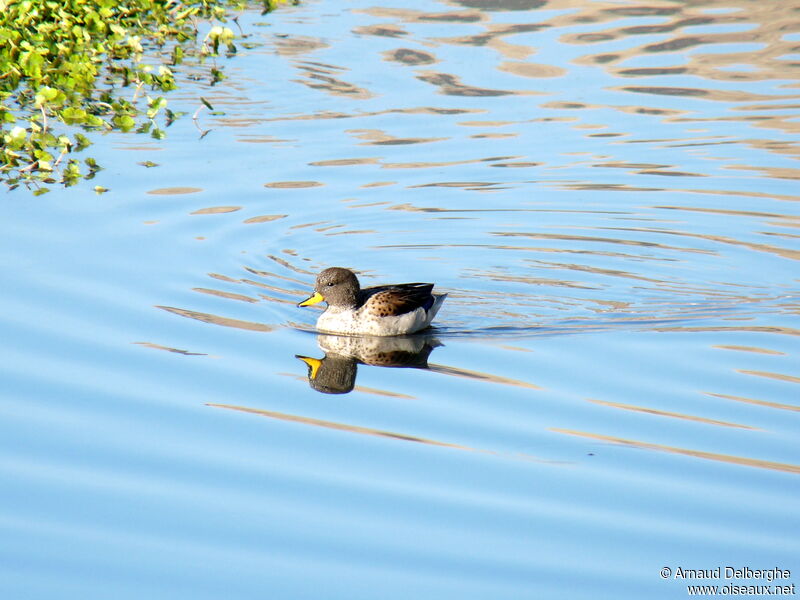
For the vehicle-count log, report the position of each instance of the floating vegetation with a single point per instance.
(76, 65)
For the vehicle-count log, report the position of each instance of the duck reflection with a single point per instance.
(335, 373)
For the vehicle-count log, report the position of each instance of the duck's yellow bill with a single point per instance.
(313, 365)
(316, 298)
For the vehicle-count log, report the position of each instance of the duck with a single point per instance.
(384, 310)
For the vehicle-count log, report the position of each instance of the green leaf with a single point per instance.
(73, 169)
(82, 142)
(177, 55)
(73, 116)
(45, 95)
(124, 122)
(155, 105)
(16, 136)
(43, 157)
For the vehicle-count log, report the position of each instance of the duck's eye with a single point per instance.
(330, 284)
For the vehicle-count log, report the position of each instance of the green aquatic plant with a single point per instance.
(77, 65)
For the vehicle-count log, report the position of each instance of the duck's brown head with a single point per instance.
(337, 286)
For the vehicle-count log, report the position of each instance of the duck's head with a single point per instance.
(336, 286)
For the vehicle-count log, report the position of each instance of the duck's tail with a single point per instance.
(438, 300)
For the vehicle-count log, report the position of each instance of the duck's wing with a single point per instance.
(399, 299)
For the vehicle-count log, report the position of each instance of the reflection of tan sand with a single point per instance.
(169, 349)
(375, 432)
(673, 415)
(477, 375)
(763, 55)
(756, 402)
(217, 320)
(339, 426)
(727, 458)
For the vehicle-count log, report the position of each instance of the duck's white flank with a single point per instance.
(361, 322)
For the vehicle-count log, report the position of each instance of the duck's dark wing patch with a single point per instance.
(394, 300)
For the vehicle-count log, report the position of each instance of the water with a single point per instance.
(608, 193)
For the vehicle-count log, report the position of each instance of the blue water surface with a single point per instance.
(607, 192)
